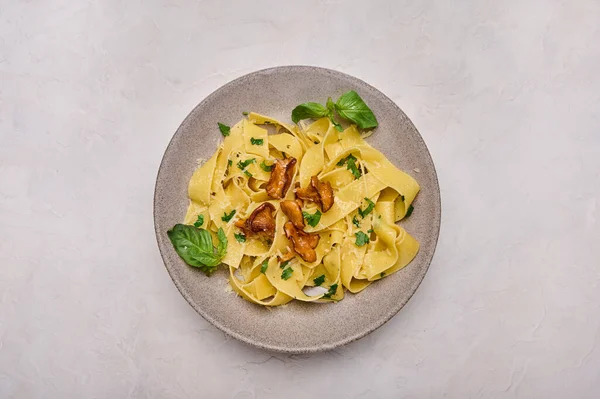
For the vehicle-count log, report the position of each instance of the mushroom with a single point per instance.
(281, 177)
(317, 191)
(261, 221)
(304, 243)
(293, 211)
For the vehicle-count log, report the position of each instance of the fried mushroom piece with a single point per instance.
(318, 192)
(281, 178)
(261, 222)
(325, 192)
(293, 211)
(304, 243)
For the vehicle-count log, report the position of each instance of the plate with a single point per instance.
(297, 327)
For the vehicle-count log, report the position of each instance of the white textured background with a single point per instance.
(505, 93)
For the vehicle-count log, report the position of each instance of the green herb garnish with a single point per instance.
(254, 141)
(382, 274)
(355, 221)
(243, 164)
(350, 162)
(245, 113)
(319, 280)
(368, 209)
(361, 238)
(331, 292)
(312, 220)
(226, 217)
(287, 273)
(247, 173)
(263, 267)
(200, 221)
(409, 211)
(349, 106)
(240, 237)
(229, 162)
(195, 246)
(224, 129)
(265, 167)
(284, 264)
(370, 231)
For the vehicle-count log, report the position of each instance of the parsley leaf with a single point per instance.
(332, 291)
(319, 280)
(224, 129)
(226, 217)
(265, 167)
(368, 209)
(350, 162)
(361, 238)
(287, 273)
(351, 106)
(200, 221)
(312, 220)
(308, 110)
(370, 231)
(355, 221)
(240, 237)
(263, 267)
(247, 173)
(284, 264)
(254, 141)
(409, 211)
(195, 246)
(229, 163)
(243, 164)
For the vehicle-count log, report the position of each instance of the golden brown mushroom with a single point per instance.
(293, 211)
(281, 177)
(318, 192)
(261, 221)
(304, 243)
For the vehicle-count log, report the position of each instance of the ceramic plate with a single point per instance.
(297, 327)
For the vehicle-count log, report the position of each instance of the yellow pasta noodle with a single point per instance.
(358, 240)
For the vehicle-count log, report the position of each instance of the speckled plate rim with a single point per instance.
(435, 227)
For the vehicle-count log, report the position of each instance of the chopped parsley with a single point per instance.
(368, 209)
(319, 280)
(332, 291)
(350, 162)
(265, 167)
(245, 113)
(312, 220)
(240, 237)
(200, 221)
(370, 231)
(224, 129)
(247, 173)
(409, 211)
(382, 274)
(287, 273)
(355, 221)
(284, 264)
(226, 217)
(243, 164)
(361, 238)
(263, 267)
(229, 162)
(254, 141)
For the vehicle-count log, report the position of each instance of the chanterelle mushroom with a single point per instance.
(318, 192)
(293, 211)
(281, 177)
(304, 243)
(261, 221)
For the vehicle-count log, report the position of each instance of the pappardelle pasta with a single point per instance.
(299, 212)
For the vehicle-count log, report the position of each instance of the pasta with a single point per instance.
(332, 229)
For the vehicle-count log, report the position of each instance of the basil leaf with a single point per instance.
(287, 273)
(226, 217)
(308, 110)
(195, 247)
(222, 247)
(332, 291)
(264, 266)
(351, 107)
(200, 221)
(319, 280)
(224, 129)
(361, 238)
(312, 220)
